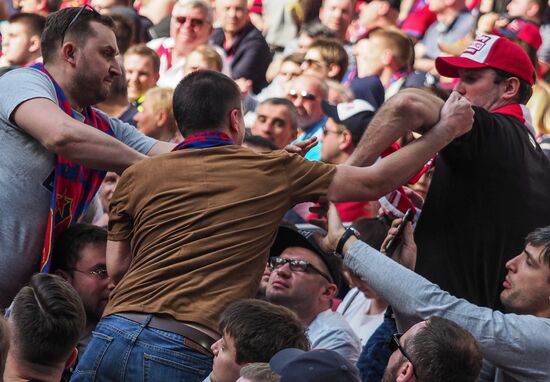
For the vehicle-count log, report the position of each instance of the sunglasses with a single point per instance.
(293, 93)
(395, 344)
(296, 266)
(195, 23)
(73, 21)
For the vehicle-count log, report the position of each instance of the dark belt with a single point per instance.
(193, 338)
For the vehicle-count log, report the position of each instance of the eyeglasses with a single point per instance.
(394, 345)
(293, 93)
(86, 6)
(296, 266)
(195, 23)
(98, 274)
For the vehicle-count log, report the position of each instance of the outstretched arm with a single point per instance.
(370, 183)
(409, 110)
(71, 139)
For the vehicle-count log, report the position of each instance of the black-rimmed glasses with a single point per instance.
(86, 6)
(296, 266)
(395, 344)
(98, 274)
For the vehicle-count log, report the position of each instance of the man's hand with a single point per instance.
(335, 230)
(457, 116)
(405, 254)
(302, 148)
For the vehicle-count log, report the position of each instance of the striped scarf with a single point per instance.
(74, 185)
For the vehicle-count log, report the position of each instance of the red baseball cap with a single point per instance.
(489, 51)
(523, 30)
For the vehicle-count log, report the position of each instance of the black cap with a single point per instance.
(290, 236)
(354, 115)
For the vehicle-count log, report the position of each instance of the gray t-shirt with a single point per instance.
(25, 171)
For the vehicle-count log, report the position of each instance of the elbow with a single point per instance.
(60, 140)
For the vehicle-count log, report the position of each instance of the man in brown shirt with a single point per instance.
(190, 231)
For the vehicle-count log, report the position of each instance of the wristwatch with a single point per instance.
(350, 231)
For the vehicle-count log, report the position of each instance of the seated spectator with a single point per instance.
(142, 72)
(454, 22)
(434, 350)
(338, 92)
(309, 32)
(326, 59)
(156, 118)
(317, 365)
(21, 40)
(140, 24)
(276, 120)
(258, 372)
(376, 14)
(79, 257)
(345, 126)
(204, 57)
(190, 27)
(253, 331)
(386, 53)
(306, 93)
(337, 16)
(519, 342)
(45, 320)
(244, 45)
(306, 279)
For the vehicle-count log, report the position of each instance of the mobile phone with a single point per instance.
(394, 243)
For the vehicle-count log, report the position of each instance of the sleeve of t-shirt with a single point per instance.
(120, 208)
(488, 138)
(131, 136)
(307, 180)
(21, 85)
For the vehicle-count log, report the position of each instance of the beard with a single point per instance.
(390, 374)
(90, 89)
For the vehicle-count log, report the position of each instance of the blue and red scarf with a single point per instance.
(204, 140)
(74, 185)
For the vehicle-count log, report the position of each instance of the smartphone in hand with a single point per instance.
(396, 240)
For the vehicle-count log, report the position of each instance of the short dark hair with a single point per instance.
(315, 29)
(202, 101)
(47, 320)
(540, 237)
(57, 22)
(525, 89)
(33, 22)
(260, 329)
(67, 247)
(277, 101)
(444, 351)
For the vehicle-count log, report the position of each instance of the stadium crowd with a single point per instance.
(275, 190)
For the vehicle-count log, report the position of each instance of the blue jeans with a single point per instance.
(123, 350)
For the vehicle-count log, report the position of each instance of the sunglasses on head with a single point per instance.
(293, 93)
(75, 18)
(195, 23)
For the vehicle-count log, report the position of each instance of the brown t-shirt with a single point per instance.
(200, 223)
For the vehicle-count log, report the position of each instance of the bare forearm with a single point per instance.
(409, 110)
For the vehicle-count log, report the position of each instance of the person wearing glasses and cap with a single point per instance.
(54, 145)
(491, 186)
(305, 279)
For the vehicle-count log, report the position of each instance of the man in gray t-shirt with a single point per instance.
(79, 50)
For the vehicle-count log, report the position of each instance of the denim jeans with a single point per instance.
(123, 350)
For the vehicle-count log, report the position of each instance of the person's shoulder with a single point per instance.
(26, 73)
